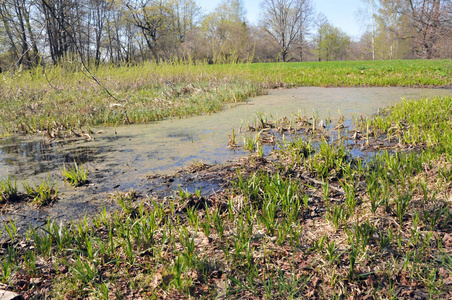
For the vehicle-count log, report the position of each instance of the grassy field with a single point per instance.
(57, 99)
(310, 221)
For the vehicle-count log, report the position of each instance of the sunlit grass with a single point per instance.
(75, 175)
(43, 193)
(65, 98)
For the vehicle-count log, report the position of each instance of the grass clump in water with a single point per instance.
(76, 175)
(43, 193)
(8, 189)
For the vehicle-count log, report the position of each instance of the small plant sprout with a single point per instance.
(8, 189)
(232, 140)
(43, 193)
(75, 176)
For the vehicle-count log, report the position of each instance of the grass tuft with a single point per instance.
(75, 176)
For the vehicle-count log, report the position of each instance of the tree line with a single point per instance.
(129, 31)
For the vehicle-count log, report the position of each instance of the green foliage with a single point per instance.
(75, 176)
(338, 214)
(8, 189)
(251, 143)
(421, 122)
(42, 194)
(275, 196)
(330, 161)
(332, 43)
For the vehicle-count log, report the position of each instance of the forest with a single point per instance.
(121, 32)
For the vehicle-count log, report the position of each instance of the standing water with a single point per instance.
(121, 157)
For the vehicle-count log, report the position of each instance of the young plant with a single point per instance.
(402, 206)
(331, 252)
(75, 176)
(42, 194)
(364, 233)
(218, 223)
(350, 196)
(385, 239)
(187, 241)
(84, 271)
(353, 254)
(8, 189)
(338, 215)
(30, 262)
(11, 229)
(184, 194)
(232, 140)
(7, 270)
(206, 223)
(326, 192)
(192, 216)
(125, 200)
(269, 216)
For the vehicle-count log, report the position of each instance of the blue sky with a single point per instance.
(340, 13)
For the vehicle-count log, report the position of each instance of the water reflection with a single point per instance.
(37, 155)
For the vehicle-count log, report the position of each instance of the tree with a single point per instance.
(15, 17)
(231, 11)
(186, 17)
(370, 12)
(152, 18)
(286, 21)
(163, 24)
(332, 43)
(65, 28)
(98, 13)
(432, 20)
(425, 22)
(226, 33)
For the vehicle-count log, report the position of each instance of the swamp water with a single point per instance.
(120, 158)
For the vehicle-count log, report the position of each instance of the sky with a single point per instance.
(340, 13)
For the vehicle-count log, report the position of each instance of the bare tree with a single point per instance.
(15, 16)
(431, 20)
(7, 19)
(286, 21)
(370, 13)
(186, 16)
(152, 18)
(98, 13)
(118, 36)
(425, 22)
(60, 19)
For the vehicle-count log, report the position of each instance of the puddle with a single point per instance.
(120, 158)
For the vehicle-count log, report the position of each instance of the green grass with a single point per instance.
(421, 123)
(8, 190)
(42, 194)
(75, 175)
(65, 98)
(312, 223)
